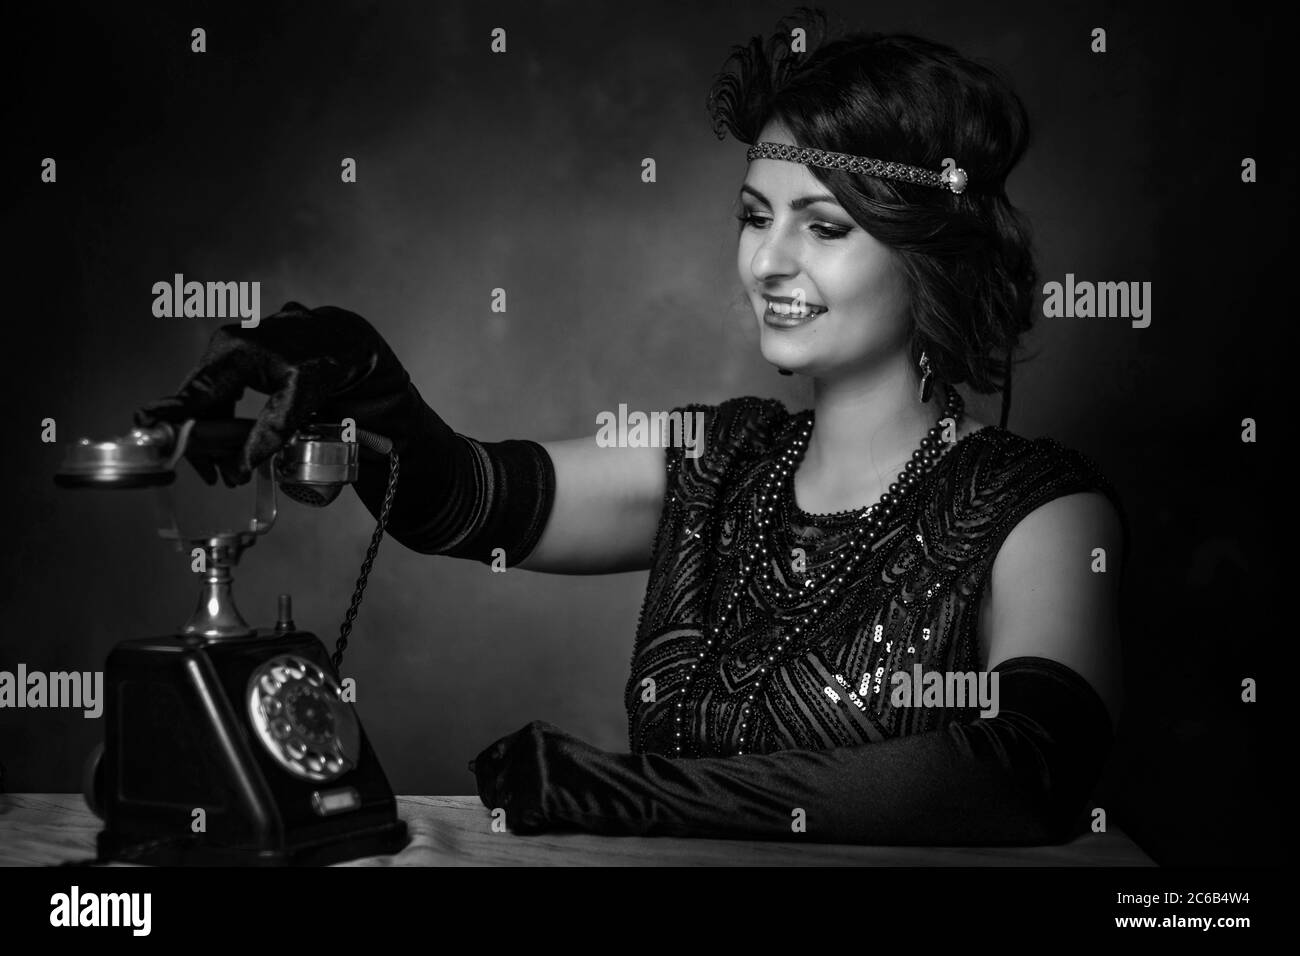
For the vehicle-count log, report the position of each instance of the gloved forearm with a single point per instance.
(460, 497)
(1019, 778)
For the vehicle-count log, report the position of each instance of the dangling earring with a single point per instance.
(927, 380)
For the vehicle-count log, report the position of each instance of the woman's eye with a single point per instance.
(750, 219)
(828, 232)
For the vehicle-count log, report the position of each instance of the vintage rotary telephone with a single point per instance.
(248, 725)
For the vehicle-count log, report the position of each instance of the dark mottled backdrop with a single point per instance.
(522, 171)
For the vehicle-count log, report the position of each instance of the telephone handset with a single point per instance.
(226, 744)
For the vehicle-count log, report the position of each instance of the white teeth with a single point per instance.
(798, 312)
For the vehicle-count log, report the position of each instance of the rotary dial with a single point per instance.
(298, 713)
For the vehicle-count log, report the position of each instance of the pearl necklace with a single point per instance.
(871, 520)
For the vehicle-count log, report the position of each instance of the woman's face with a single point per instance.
(798, 246)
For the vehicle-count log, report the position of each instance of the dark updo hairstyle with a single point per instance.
(967, 258)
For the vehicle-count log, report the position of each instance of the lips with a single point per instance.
(774, 321)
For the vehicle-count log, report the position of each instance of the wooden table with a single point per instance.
(39, 829)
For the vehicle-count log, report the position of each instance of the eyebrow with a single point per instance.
(795, 204)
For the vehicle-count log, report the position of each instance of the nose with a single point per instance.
(775, 257)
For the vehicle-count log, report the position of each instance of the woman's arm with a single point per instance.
(606, 509)
(570, 507)
(1045, 599)
(1020, 777)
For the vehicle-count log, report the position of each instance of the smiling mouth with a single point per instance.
(791, 310)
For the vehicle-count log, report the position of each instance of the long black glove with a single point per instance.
(1019, 778)
(332, 364)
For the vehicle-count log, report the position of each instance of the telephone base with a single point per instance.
(236, 752)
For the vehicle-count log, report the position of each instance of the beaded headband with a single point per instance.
(953, 179)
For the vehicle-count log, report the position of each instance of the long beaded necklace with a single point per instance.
(870, 521)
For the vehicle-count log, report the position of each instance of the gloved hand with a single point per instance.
(541, 777)
(326, 362)
(332, 364)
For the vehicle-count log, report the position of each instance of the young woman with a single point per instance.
(822, 582)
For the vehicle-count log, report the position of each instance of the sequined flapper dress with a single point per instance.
(913, 600)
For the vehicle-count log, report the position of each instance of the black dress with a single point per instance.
(915, 601)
